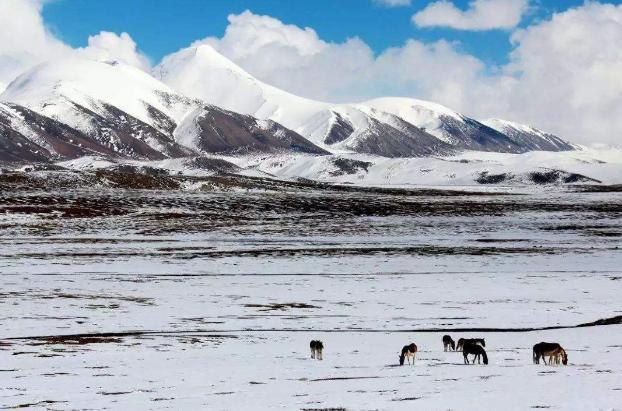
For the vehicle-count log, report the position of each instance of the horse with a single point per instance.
(407, 352)
(463, 341)
(554, 351)
(449, 342)
(317, 348)
(475, 349)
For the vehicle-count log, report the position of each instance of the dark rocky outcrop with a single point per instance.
(226, 132)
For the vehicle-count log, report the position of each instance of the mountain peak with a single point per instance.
(202, 56)
(202, 72)
(45, 88)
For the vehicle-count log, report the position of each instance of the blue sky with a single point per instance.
(163, 26)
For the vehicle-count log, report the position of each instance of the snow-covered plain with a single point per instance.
(220, 294)
(601, 163)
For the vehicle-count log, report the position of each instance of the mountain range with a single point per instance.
(198, 102)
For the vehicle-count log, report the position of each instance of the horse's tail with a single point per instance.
(535, 355)
(485, 357)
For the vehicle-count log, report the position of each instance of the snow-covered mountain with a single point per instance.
(198, 102)
(529, 137)
(115, 109)
(393, 127)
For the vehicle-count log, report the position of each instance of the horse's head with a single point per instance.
(564, 358)
(453, 345)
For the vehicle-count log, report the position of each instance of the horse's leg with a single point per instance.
(321, 354)
(313, 353)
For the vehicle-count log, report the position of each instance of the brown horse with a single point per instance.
(463, 341)
(408, 351)
(449, 342)
(554, 351)
(475, 349)
(317, 349)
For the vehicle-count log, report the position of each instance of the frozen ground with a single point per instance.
(210, 299)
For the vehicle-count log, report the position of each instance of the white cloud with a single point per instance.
(293, 58)
(393, 3)
(480, 15)
(111, 46)
(25, 41)
(568, 74)
(298, 61)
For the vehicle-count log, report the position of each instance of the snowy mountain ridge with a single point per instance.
(201, 72)
(199, 103)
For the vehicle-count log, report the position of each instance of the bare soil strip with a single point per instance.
(104, 337)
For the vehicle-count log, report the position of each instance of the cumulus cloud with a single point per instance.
(567, 73)
(393, 3)
(293, 58)
(480, 15)
(297, 60)
(111, 46)
(25, 41)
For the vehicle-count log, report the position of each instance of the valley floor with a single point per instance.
(133, 299)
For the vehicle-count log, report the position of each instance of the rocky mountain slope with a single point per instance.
(529, 137)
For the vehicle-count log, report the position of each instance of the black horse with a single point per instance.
(554, 351)
(449, 342)
(475, 349)
(463, 341)
(317, 348)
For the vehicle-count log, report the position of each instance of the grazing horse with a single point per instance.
(554, 351)
(317, 347)
(463, 341)
(449, 342)
(475, 349)
(407, 352)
